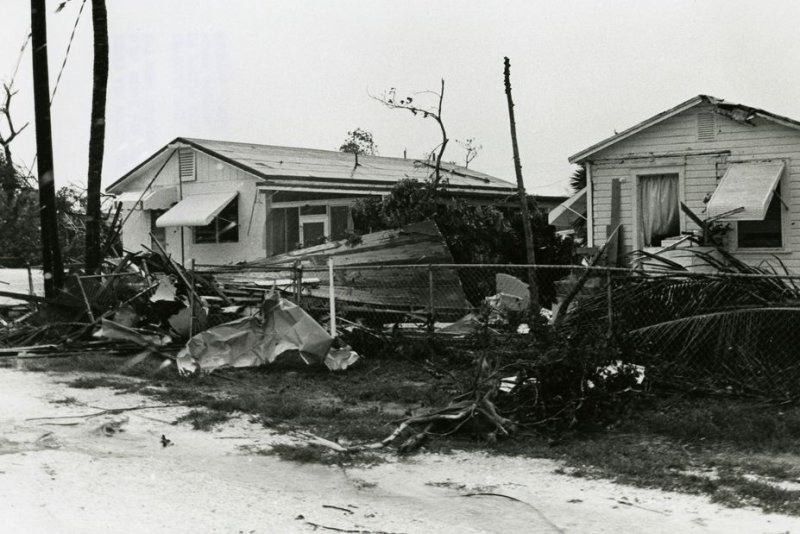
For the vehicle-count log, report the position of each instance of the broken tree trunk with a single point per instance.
(523, 198)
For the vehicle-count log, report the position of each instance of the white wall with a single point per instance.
(701, 172)
(212, 176)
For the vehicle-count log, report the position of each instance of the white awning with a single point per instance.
(745, 185)
(196, 210)
(569, 211)
(151, 199)
(132, 196)
(160, 199)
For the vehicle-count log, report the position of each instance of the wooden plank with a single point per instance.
(615, 219)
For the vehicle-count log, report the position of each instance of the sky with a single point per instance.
(304, 73)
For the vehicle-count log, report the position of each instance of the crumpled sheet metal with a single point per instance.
(253, 341)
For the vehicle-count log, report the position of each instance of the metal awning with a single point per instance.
(151, 199)
(160, 199)
(132, 196)
(196, 210)
(572, 209)
(745, 185)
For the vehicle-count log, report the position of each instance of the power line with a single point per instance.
(61, 71)
(66, 54)
(19, 59)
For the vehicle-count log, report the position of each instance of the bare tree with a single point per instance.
(97, 134)
(471, 150)
(9, 178)
(13, 132)
(391, 100)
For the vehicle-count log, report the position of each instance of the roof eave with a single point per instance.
(583, 155)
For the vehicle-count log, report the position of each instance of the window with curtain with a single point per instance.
(659, 208)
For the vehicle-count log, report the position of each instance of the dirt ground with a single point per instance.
(111, 473)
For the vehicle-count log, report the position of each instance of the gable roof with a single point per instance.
(277, 164)
(735, 111)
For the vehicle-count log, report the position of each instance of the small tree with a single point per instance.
(359, 142)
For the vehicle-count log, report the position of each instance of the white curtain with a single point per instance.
(658, 207)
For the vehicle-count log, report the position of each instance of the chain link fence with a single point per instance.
(720, 331)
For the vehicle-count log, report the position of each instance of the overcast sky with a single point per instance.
(300, 73)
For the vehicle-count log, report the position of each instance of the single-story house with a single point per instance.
(220, 202)
(730, 163)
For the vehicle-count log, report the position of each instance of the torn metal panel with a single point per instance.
(254, 341)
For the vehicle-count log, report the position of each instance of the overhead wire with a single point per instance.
(19, 59)
(61, 70)
(66, 54)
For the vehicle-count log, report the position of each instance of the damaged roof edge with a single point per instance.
(583, 155)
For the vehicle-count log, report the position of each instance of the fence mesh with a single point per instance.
(723, 331)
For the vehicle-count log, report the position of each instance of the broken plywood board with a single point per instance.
(375, 276)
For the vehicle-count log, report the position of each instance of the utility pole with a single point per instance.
(523, 198)
(51, 252)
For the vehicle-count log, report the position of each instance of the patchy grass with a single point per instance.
(204, 419)
(735, 452)
(315, 454)
(66, 401)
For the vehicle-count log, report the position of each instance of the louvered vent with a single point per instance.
(706, 126)
(186, 164)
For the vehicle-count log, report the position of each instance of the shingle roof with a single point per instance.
(288, 163)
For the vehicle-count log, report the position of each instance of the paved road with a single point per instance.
(66, 475)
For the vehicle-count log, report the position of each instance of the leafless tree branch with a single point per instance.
(390, 100)
(6, 140)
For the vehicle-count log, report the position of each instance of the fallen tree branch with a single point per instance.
(353, 531)
(109, 411)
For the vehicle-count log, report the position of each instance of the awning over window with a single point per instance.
(161, 199)
(152, 199)
(132, 196)
(569, 211)
(745, 185)
(196, 210)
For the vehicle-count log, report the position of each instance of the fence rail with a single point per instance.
(724, 330)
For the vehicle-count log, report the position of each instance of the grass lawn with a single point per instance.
(738, 453)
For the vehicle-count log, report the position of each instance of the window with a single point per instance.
(296, 227)
(223, 229)
(157, 234)
(659, 208)
(763, 234)
(313, 225)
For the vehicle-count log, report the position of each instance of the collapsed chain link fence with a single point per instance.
(721, 331)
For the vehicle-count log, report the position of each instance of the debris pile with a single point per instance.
(148, 304)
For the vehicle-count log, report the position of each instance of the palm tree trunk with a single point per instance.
(97, 132)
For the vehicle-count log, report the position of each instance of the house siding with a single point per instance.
(212, 176)
(674, 144)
